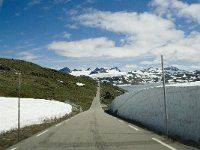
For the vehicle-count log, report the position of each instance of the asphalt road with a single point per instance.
(96, 130)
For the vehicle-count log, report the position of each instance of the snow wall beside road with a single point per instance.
(147, 107)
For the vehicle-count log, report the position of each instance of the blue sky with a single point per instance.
(79, 34)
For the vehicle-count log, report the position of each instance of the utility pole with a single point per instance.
(165, 102)
(19, 86)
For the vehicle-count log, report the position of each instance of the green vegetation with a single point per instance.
(39, 82)
(109, 92)
(10, 138)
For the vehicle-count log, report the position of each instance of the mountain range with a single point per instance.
(148, 75)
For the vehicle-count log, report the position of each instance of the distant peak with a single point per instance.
(98, 70)
(65, 70)
(172, 68)
(115, 68)
(88, 69)
(76, 70)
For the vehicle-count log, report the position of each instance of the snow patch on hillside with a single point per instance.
(80, 84)
(81, 73)
(109, 73)
(33, 111)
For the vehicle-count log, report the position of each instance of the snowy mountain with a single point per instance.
(149, 75)
(174, 70)
(98, 71)
(172, 75)
(116, 69)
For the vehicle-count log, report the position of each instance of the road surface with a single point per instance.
(96, 130)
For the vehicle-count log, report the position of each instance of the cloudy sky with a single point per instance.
(130, 34)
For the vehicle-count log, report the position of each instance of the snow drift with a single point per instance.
(33, 111)
(147, 107)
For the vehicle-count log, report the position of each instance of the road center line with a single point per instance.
(164, 144)
(58, 124)
(133, 127)
(42, 133)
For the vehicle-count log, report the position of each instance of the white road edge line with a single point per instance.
(121, 121)
(42, 133)
(164, 144)
(14, 148)
(58, 124)
(133, 127)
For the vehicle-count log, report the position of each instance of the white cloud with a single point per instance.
(71, 11)
(153, 62)
(144, 31)
(28, 55)
(187, 67)
(177, 8)
(132, 24)
(144, 34)
(129, 67)
(66, 35)
(25, 55)
(147, 33)
(93, 47)
(187, 48)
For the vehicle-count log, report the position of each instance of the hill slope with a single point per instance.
(39, 82)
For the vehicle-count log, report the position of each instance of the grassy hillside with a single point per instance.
(109, 92)
(39, 82)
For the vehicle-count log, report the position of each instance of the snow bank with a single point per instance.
(197, 83)
(33, 111)
(147, 107)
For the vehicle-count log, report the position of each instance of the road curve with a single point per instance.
(96, 130)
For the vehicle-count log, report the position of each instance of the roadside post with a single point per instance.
(165, 102)
(19, 90)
